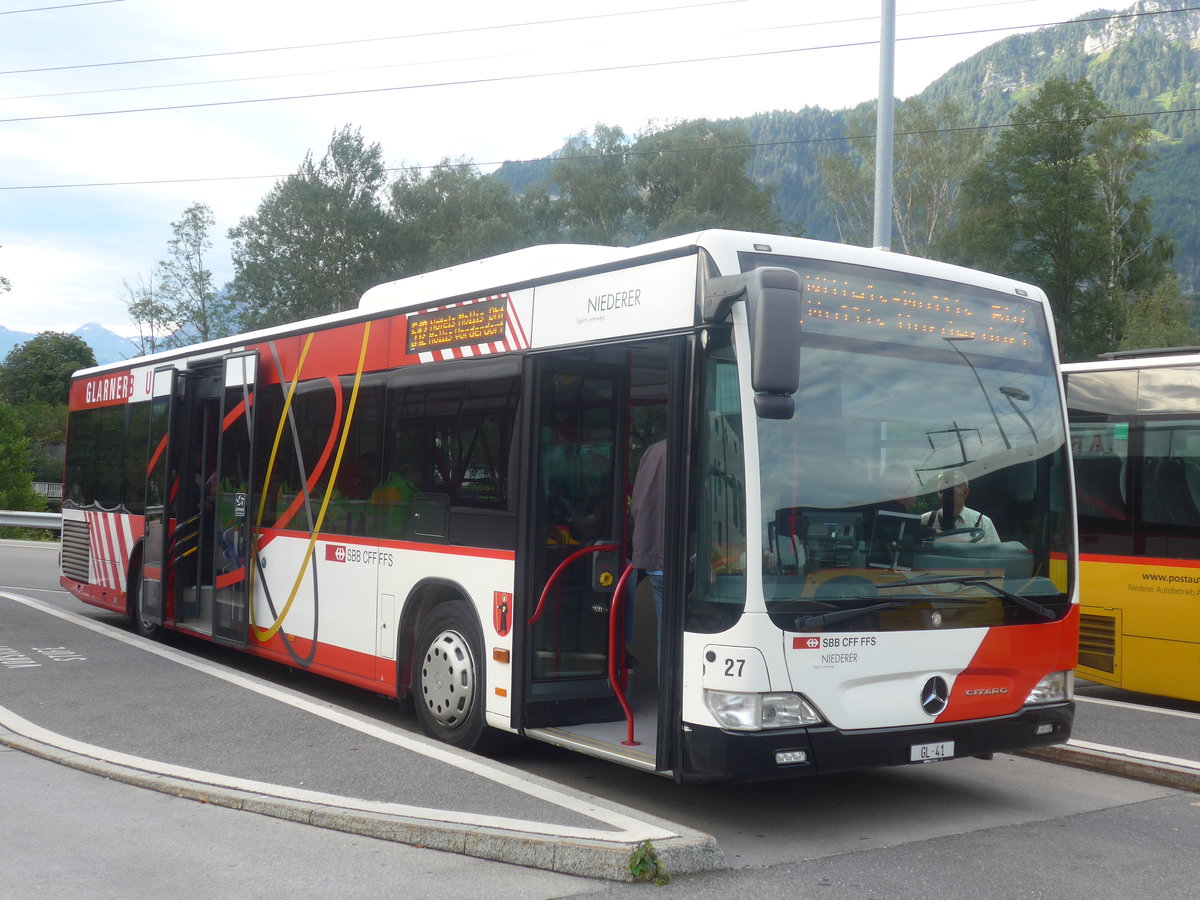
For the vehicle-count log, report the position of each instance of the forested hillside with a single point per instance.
(1143, 59)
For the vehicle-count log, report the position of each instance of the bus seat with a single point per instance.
(1173, 473)
(1098, 487)
(1166, 499)
(1191, 474)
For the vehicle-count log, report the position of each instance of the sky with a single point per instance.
(117, 115)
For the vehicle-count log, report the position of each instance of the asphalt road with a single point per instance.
(1012, 826)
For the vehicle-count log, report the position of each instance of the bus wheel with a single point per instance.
(141, 624)
(449, 681)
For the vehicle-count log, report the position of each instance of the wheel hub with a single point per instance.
(448, 679)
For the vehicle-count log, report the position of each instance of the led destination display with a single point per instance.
(461, 326)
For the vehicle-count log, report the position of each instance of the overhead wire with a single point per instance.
(13, 12)
(451, 32)
(754, 145)
(533, 76)
(276, 76)
(594, 70)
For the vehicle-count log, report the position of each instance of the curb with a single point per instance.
(1180, 774)
(686, 853)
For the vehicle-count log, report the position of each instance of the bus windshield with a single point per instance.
(920, 483)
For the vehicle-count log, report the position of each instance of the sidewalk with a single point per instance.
(102, 700)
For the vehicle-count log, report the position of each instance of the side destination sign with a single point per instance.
(459, 326)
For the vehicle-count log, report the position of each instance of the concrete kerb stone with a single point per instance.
(689, 853)
(1183, 778)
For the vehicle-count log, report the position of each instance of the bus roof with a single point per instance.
(1121, 360)
(497, 273)
(550, 262)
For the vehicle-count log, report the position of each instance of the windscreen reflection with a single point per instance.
(904, 424)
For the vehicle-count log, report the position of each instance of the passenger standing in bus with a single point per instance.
(953, 489)
(648, 510)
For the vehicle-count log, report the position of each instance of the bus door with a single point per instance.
(230, 500)
(151, 595)
(192, 450)
(578, 496)
(594, 412)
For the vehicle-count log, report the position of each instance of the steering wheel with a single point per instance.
(975, 532)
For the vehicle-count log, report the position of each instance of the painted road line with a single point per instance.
(1139, 755)
(625, 826)
(1139, 707)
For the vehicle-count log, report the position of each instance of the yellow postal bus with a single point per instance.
(1135, 436)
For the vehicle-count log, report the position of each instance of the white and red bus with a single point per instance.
(428, 497)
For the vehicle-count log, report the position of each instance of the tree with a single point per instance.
(694, 176)
(933, 152)
(669, 181)
(148, 314)
(1138, 261)
(39, 370)
(1050, 204)
(191, 308)
(455, 214)
(595, 187)
(44, 426)
(4, 284)
(319, 238)
(847, 179)
(16, 484)
(1159, 318)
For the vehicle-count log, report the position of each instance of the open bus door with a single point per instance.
(230, 500)
(577, 689)
(151, 605)
(197, 544)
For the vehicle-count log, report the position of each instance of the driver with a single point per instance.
(953, 489)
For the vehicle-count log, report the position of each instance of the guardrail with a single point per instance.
(23, 519)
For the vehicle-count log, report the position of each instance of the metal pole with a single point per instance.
(885, 126)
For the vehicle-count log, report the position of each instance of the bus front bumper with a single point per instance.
(713, 754)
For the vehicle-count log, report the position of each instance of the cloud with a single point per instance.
(59, 288)
(67, 250)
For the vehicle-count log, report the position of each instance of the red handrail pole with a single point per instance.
(614, 619)
(583, 551)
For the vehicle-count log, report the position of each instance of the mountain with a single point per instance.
(107, 346)
(1141, 59)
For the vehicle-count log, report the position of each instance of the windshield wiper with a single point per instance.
(803, 623)
(982, 581)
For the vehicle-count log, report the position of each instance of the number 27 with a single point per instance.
(734, 668)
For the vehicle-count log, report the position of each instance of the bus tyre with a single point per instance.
(450, 677)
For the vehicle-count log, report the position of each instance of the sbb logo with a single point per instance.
(806, 643)
(335, 553)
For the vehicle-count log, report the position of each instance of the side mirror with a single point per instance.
(773, 310)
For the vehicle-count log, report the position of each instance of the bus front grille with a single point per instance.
(76, 553)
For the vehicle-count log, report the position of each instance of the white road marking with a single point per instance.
(1136, 754)
(1151, 709)
(629, 827)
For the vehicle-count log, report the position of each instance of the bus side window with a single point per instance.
(449, 439)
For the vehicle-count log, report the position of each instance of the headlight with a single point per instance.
(754, 712)
(1054, 688)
